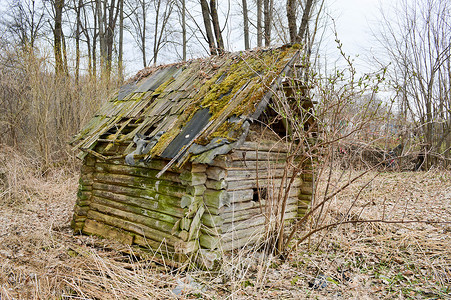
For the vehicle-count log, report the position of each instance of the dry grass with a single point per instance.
(41, 259)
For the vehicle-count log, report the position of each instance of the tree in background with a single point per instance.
(417, 39)
(24, 22)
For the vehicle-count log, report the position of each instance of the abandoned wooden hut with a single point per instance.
(187, 157)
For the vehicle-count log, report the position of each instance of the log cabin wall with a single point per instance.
(221, 206)
(251, 176)
(132, 205)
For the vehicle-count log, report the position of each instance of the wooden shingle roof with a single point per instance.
(192, 107)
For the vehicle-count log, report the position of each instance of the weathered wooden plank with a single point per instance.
(97, 228)
(192, 179)
(137, 193)
(241, 242)
(115, 168)
(156, 215)
(141, 229)
(216, 185)
(195, 224)
(196, 190)
(162, 247)
(158, 225)
(243, 237)
(212, 220)
(265, 145)
(252, 183)
(258, 164)
(271, 194)
(243, 155)
(142, 183)
(243, 214)
(230, 229)
(209, 241)
(216, 173)
(216, 199)
(234, 175)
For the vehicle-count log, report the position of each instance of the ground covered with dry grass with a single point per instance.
(41, 259)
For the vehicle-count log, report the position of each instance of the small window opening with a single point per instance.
(259, 194)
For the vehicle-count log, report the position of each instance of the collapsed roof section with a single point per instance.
(189, 111)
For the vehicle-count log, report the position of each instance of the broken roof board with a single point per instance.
(232, 85)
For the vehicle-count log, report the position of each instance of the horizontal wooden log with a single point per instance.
(216, 173)
(306, 189)
(235, 216)
(94, 227)
(239, 206)
(82, 203)
(83, 195)
(271, 195)
(86, 179)
(191, 179)
(166, 207)
(305, 197)
(86, 188)
(89, 160)
(198, 168)
(196, 190)
(85, 169)
(241, 242)
(307, 177)
(252, 183)
(234, 175)
(186, 247)
(148, 232)
(77, 227)
(214, 231)
(157, 186)
(260, 165)
(137, 193)
(240, 215)
(216, 184)
(162, 248)
(212, 220)
(159, 226)
(228, 228)
(216, 199)
(209, 242)
(239, 155)
(81, 210)
(264, 145)
(250, 234)
(110, 167)
(126, 207)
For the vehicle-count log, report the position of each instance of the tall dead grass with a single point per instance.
(40, 111)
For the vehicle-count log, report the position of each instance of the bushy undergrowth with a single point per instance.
(41, 111)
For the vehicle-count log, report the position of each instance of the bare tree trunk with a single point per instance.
(101, 35)
(267, 8)
(291, 16)
(304, 21)
(207, 24)
(121, 42)
(77, 39)
(259, 23)
(217, 29)
(246, 26)
(184, 29)
(144, 27)
(58, 36)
